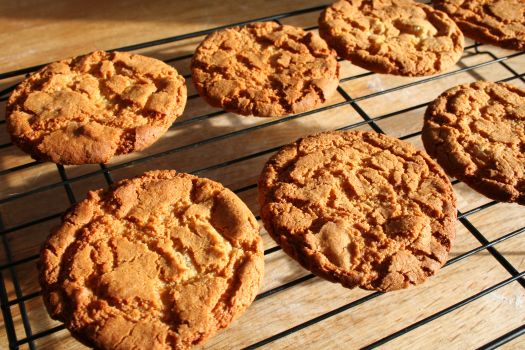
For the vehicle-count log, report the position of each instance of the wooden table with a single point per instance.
(294, 309)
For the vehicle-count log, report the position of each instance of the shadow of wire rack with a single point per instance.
(365, 100)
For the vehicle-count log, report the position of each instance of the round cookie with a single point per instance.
(89, 108)
(265, 69)
(497, 22)
(359, 208)
(160, 261)
(477, 134)
(399, 37)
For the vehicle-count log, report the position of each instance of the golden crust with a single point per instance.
(497, 22)
(265, 69)
(160, 261)
(477, 134)
(359, 208)
(399, 37)
(89, 108)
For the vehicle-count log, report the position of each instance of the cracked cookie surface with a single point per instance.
(497, 22)
(477, 134)
(265, 69)
(89, 108)
(399, 37)
(359, 208)
(160, 261)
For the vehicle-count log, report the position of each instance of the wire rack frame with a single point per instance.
(9, 268)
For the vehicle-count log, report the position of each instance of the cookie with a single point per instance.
(161, 261)
(359, 208)
(89, 108)
(265, 69)
(497, 22)
(477, 134)
(399, 37)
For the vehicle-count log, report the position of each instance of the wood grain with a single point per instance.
(232, 149)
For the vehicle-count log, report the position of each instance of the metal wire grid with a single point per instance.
(9, 267)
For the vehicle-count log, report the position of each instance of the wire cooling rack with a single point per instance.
(24, 332)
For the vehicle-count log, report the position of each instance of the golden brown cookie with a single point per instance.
(89, 108)
(265, 69)
(359, 208)
(497, 22)
(160, 261)
(477, 134)
(399, 37)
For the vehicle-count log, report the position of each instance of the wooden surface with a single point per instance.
(35, 32)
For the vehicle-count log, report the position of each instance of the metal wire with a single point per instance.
(16, 340)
